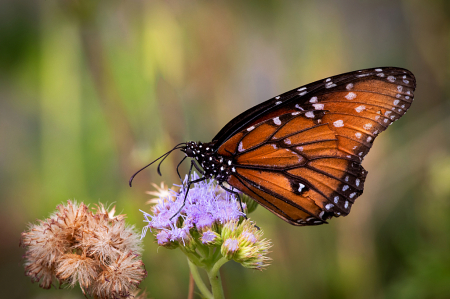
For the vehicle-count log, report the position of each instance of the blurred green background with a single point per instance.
(93, 90)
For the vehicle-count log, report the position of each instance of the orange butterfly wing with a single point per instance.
(302, 158)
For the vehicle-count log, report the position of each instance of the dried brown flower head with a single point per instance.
(94, 249)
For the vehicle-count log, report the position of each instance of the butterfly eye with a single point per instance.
(189, 152)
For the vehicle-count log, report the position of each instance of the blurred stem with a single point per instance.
(198, 280)
(191, 287)
(108, 94)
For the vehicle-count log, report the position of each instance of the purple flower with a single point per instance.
(163, 237)
(206, 205)
(208, 218)
(211, 238)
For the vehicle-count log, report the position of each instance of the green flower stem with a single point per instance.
(198, 280)
(194, 258)
(215, 269)
(215, 280)
(203, 250)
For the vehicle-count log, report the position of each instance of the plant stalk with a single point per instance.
(198, 281)
(215, 279)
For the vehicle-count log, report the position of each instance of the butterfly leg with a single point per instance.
(237, 194)
(239, 198)
(197, 167)
(178, 166)
(189, 183)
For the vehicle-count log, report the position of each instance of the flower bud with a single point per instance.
(229, 248)
(229, 229)
(211, 238)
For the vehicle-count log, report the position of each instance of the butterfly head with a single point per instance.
(197, 150)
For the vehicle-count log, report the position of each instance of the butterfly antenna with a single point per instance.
(167, 154)
(163, 156)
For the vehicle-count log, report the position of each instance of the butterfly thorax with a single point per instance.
(213, 164)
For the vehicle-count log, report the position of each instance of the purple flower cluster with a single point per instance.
(207, 204)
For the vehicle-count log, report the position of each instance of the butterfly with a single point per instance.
(299, 154)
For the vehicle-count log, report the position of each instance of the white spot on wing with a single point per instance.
(300, 148)
(301, 89)
(400, 88)
(277, 97)
(357, 182)
(329, 85)
(287, 141)
(345, 188)
(367, 126)
(277, 121)
(349, 86)
(318, 106)
(357, 134)
(338, 123)
(313, 100)
(350, 96)
(396, 102)
(309, 114)
(250, 128)
(278, 103)
(391, 78)
(336, 199)
(378, 70)
(241, 147)
(298, 107)
(360, 108)
(300, 187)
(329, 206)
